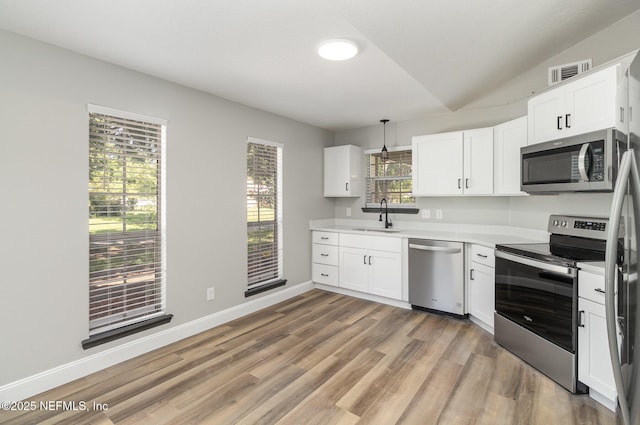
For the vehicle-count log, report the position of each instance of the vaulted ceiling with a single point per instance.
(417, 58)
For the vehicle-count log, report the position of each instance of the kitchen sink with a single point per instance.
(365, 229)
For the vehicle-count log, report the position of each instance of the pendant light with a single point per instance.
(385, 153)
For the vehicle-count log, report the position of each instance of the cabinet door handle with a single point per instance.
(459, 183)
(369, 260)
(364, 260)
(559, 122)
(600, 290)
(482, 255)
(346, 187)
(324, 274)
(567, 122)
(621, 114)
(324, 255)
(471, 274)
(324, 238)
(581, 319)
(466, 183)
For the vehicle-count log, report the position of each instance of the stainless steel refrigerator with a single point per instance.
(623, 298)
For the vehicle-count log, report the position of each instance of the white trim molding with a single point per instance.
(60, 375)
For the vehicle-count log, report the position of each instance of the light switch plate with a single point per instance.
(348, 212)
(439, 214)
(426, 213)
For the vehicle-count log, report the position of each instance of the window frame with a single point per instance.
(118, 328)
(366, 164)
(254, 287)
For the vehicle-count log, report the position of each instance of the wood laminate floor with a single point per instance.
(324, 358)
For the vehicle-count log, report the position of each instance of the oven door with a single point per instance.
(538, 296)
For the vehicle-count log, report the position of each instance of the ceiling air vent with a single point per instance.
(560, 73)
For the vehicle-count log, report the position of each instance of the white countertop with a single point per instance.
(596, 267)
(488, 235)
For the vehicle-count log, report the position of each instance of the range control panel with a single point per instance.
(587, 227)
(600, 226)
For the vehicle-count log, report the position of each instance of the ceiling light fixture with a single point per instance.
(338, 49)
(385, 153)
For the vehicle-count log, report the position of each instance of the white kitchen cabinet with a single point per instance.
(582, 105)
(342, 171)
(437, 164)
(594, 360)
(481, 285)
(508, 138)
(371, 264)
(385, 277)
(478, 162)
(354, 270)
(455, 163)
(324, 254)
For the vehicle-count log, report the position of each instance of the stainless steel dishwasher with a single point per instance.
(436, 275)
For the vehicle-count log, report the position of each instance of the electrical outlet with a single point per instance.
(426, 213)
(210, 294)
(348, 212)
(439, 214)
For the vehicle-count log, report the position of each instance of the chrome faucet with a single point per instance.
(387, 223)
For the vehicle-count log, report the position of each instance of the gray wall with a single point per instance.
(504, 104)
(43, 190)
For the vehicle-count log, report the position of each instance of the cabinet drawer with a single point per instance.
(591, 286)
(483, 255)
(325, 254)
(322, 273)
(326, 238)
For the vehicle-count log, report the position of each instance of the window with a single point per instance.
(126, 215)
(390, 179)
(264, 215)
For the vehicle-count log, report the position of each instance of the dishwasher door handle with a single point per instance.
(434, 248)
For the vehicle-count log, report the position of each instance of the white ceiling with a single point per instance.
(418, 58)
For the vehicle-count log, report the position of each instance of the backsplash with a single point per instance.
(524, 211)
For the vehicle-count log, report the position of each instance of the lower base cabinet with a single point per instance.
(482, 293)
(371, 264)
(324, 254)
(354, 270)
(481, 287)
(374, 272)
(594, 361)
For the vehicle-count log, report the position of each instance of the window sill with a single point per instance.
(113, 334)
(267, 286)
(391, 210)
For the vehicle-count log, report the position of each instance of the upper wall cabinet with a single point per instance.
(508, 138)
(342, 171)
(580, 106)
(456, 163)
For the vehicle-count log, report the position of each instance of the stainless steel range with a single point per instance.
(537, 295)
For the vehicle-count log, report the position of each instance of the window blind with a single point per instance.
(264, 212)
(390, 179)
(126, 259)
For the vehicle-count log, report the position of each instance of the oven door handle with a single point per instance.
(562, 270)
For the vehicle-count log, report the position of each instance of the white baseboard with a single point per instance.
(49, 379)
(602, 399)
(364, 295)
(480, 323)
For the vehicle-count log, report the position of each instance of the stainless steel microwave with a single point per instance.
(584, 163)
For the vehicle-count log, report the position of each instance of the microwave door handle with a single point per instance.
(582, 156)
